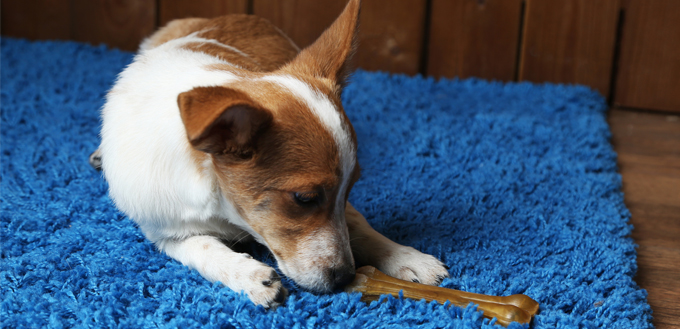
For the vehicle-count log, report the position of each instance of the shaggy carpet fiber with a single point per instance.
(512, 185)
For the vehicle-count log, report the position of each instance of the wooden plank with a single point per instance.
(37, 20)
(302, 20)
(647, 232)
(119, 23)
(659, 278)
(569, 42)
(649, 61)
(474, 38)
(648, 145)
(390, 36)
(173, 9)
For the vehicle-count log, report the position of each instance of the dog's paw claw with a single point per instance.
(277, 300)
(281, 296)
(274, 277)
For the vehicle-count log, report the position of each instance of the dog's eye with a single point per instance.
(307, 198)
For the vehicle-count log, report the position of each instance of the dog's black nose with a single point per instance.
(342, 277)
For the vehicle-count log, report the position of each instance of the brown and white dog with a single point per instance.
(222, 129)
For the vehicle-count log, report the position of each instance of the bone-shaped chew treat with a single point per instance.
(373, 283)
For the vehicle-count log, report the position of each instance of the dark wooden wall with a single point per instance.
(628, 50)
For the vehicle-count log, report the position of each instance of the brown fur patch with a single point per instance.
(266, 47)
(221, 120)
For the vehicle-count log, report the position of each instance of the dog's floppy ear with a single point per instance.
(221, 120)
(329, 56)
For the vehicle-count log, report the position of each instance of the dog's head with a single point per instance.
(284, 153)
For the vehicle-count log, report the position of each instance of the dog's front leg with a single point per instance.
(372, 248)
(240, 272)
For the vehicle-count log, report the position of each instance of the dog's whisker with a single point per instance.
(240, 238)
(357, 238)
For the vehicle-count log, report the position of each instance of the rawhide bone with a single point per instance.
(373, 283)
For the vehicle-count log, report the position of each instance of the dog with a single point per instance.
(223, 130)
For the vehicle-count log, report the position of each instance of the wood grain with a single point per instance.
(648, 147)
(474, 38)
(119, 23)
(173, 9)
(390, 35)
(569, 42)
(302, 20)
(658, 274)
(37, 20)
(649, 65)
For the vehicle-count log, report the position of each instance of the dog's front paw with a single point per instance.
(260, 282)
(409, 264)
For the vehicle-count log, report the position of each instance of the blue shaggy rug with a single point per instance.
(514, 186)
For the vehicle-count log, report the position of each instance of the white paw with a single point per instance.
(409, 264)
(260, 282)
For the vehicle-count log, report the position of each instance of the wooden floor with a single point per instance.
(648, 147)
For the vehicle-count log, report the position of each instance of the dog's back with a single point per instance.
(250, 42)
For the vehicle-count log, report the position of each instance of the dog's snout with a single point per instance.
(342, 277)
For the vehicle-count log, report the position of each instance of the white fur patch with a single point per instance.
(146, 156)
